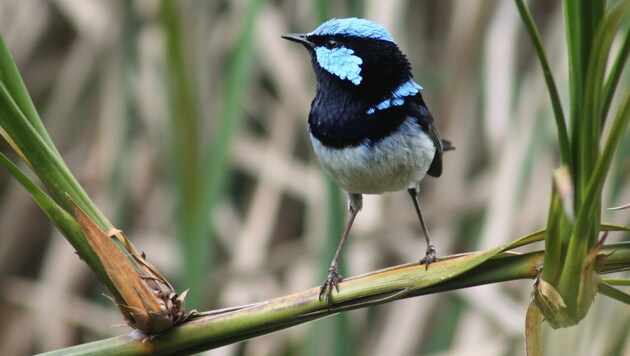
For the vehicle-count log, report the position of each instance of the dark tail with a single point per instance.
(447, 146)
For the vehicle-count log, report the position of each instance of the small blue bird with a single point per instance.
(369, 125)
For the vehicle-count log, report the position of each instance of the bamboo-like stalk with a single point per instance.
(218, 328)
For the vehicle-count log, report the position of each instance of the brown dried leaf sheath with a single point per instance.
(149, 302)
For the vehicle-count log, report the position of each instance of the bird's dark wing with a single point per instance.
(422, 114)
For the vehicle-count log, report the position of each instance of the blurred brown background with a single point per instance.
(138, 134)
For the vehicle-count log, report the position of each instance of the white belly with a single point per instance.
(397, 162)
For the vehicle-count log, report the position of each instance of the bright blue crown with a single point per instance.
(353, 27)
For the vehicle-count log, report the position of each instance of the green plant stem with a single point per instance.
(615, 72)
(556, 104)
(185, 155)
(569, 283)
(614, 293)
(21, 126)
(621, 12)
(42, 157)
(54, 212)
(219, 328)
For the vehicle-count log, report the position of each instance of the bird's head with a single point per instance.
(356, 53)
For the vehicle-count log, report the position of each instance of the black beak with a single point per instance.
(299, 38)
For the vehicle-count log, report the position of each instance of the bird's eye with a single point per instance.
(330, 44)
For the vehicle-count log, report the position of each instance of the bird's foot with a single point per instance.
(429, 257)
(332, 281)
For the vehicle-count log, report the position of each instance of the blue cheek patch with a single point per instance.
(341, 62)
(408, 88)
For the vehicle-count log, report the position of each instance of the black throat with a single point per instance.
(339, 113)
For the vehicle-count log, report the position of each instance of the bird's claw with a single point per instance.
(429, 257)
(332, 281)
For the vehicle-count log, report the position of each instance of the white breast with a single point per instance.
(397, 162)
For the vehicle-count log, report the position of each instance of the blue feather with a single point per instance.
(353, 27)
(406, 89)
(341, 62)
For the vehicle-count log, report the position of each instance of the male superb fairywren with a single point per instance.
(369, 125)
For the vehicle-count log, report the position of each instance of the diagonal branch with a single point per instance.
(218, 328)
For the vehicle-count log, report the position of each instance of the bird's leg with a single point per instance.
(333, 278)
(431, 255)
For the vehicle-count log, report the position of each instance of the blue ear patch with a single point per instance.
(408, 88)
(353, 27)
(341, 62)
